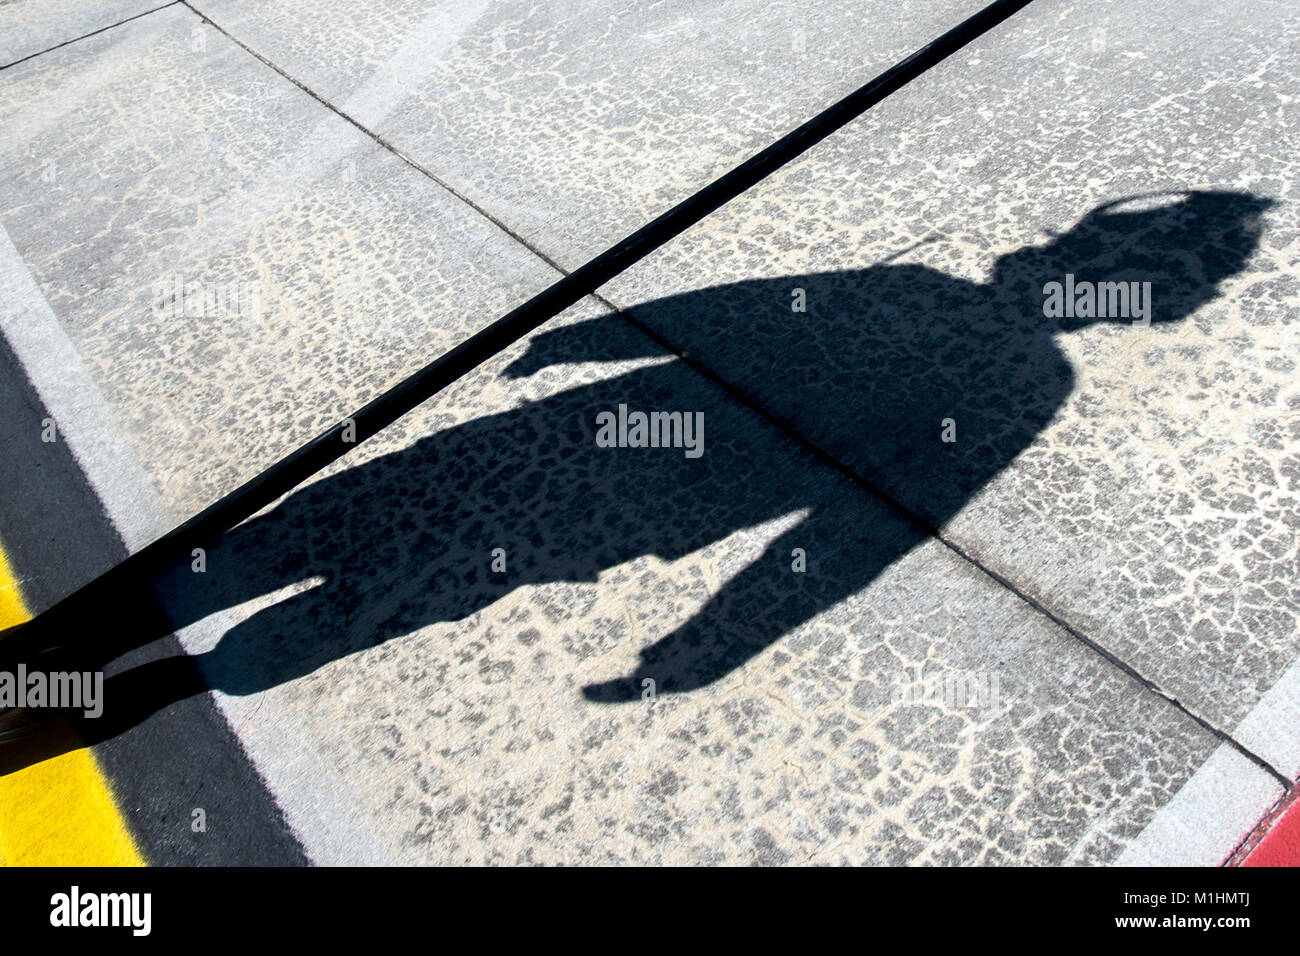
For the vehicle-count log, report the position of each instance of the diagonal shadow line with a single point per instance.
(55, 627)
(999, 361)
(183, 677)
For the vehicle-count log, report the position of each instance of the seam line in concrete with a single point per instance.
(371, 134)
(871, 488)
(772, 419)
(111, 26)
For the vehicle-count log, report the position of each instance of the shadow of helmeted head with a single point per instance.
(1183, 243)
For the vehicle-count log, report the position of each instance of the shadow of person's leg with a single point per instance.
(284, 641)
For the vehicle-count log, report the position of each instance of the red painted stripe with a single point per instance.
(1281, 845)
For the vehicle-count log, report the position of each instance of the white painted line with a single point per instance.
(317, 804)
(1272, 728)
(1229, 795)
(321, 808)
(1208, 816)
(80, 412)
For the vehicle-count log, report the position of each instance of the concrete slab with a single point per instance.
(579, 122)
(1140, 482)
(33, 26)
(830, 684)
(233, 267)
(236, 267)
(562, 127)
(648, 678)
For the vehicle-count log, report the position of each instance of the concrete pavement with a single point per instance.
(1066, 635)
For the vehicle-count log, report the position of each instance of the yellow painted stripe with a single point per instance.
(12, 609)
(59, 812)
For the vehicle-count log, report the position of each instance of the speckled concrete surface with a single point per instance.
(578, 122)
(1141, 482)
(889, 703)
(30, 27)
(1183, 560)
(161, 152)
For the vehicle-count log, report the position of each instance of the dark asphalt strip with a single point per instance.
(185, 756)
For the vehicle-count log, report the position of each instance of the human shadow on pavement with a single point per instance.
(880, 359)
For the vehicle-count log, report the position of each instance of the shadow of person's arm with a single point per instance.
(765, 601)
(604, 339)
